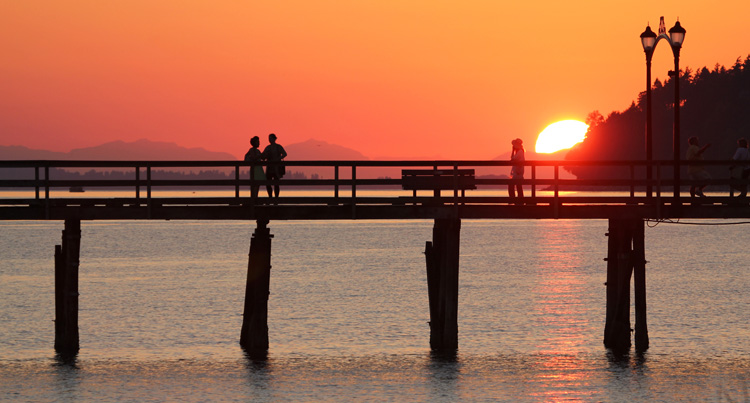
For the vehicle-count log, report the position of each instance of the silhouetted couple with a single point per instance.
(272, 153)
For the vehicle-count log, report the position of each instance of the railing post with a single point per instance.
(354, 191)
(676, 176)
(336, 183)
(632, 181)
(148, 191)
(455, 182)
(436, 192)
(237, 180)
(533, 181)
(137, 183)
(36, 182)
(557, 191)
(46, 192)
(254, 189)
(649, 177)
(658, 191)
(557, 181)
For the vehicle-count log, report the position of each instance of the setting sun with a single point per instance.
(560, 136)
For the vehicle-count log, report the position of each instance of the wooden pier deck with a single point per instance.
(38, 193)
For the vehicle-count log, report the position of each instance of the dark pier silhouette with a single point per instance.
(444, 191)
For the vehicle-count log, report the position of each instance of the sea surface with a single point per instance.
(161, 310)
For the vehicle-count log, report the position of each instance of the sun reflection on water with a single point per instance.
(559, 313)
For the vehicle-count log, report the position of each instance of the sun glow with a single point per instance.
(560, 136)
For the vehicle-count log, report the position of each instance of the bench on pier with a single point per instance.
(438, 179)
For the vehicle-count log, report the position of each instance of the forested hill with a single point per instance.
(715, 106)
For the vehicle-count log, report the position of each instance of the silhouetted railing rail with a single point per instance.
(47, 184)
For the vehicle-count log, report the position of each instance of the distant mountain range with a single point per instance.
(117, 150)
(154, 150)
(315, 150)
(310, 150)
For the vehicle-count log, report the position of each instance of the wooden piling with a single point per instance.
(254, 333)
(639, 284)
(442, 258)
(611, 283)
(626, 259)
(619, 272)
(67, 260)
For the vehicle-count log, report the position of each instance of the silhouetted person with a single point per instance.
(516, 171)
(274, 153)
(741, 170)
(256, 171)
(696, 172)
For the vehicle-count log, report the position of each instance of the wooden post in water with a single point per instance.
(611, 283)
(442, 256)
(254, 334)
(639, 284)
(626, 259)
(619, 272)
(67, 260)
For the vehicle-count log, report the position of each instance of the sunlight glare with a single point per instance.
(560, 136)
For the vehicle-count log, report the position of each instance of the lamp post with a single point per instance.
(649, 40)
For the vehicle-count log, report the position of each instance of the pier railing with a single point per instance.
(332, 183)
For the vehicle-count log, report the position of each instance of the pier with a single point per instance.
(444, 191)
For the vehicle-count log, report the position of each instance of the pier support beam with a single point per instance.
(625, 260)
(639, 283)
(254, 334)
(67, 260)
(442, 255)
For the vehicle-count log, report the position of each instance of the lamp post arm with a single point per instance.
(658, 38)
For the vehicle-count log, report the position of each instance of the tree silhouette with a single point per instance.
(715, 106)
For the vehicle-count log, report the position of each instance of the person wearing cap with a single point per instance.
(274, 153)
(516, 172)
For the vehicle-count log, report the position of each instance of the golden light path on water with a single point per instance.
(559, 286)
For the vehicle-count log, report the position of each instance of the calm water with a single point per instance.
(161, 310)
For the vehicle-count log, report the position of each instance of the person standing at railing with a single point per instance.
(697, 172)
(517, 157)
(741, 170)
(274, 153)
(256, 171)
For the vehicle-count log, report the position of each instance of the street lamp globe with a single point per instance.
(648, 39)
(677, 34)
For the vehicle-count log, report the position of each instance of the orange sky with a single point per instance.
(390, 78)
